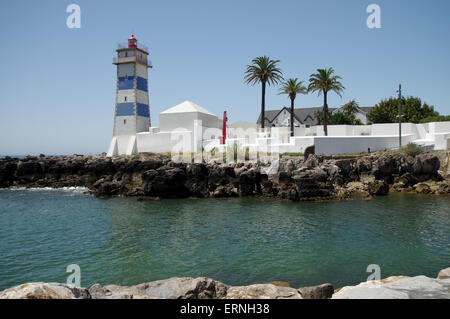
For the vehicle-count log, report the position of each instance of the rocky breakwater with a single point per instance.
(172, 288)
(398, 287)
(156, 176)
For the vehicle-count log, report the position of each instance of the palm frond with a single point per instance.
(263, 70)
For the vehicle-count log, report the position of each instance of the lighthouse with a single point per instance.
(132, 111)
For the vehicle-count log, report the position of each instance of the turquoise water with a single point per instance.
(237, 241)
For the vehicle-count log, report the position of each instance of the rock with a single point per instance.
(262, 291)
(419, 287)
(345, 166)
(369, 293)
(378, 188)
(7, 170)
(40, 290)
(247, 182)
(357, 187)
(422, 188)
(385, 166)
(310, 150)
(280, 283)
(311, 162)
(444, 273)
(426, 163)
(155, 175)
(29, 171)
(172, 288)
(324, 291)
(444, 187)
(98, 292)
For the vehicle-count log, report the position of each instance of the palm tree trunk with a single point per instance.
(325, 113)
(292, 117)
(263, 104)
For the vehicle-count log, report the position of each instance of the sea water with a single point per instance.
(238, 241)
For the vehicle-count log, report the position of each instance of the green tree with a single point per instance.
(265, 71)
(292, 87)
(338, 118)
(437, 118)
(323, 82)
(351, 107)
(413, 111)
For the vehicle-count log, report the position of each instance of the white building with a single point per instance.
(189, 128)
(186, 127)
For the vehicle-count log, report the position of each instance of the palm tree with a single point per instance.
(292, 87)
(351, 107)
(324, 81)
(263, 70)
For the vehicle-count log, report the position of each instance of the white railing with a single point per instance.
(135, 58)
(124, 45)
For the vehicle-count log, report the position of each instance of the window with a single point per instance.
(125, 98)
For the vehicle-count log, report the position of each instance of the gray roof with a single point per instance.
(302, 114)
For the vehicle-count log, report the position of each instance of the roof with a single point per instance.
(243, 125)
(367, 109)
(301, 114)
(187, 107)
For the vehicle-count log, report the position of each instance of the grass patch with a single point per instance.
(412, 149)
(292, 154)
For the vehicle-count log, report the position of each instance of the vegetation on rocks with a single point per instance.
(412, 149)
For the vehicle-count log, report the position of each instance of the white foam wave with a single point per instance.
(68, 189)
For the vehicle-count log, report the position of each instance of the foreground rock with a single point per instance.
(40, 290)
(324, 291)
(155, 175)
(444, 273)
(262, 291)
(398, 287)
(419, 287)
(173, 288)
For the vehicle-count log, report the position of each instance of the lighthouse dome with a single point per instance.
(132, 42)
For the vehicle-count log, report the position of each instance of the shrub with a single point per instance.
(439, 118)
(412, 149)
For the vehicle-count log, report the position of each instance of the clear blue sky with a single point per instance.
(57, 85)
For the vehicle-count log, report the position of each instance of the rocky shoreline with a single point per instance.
(398, 287)
(297, 179)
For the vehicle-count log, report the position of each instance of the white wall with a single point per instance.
(141, 70)
(439, 127)
(357, 144)
(441, 140)
(185, 120)
(124, 125)
(392, 129)
(165, 142)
